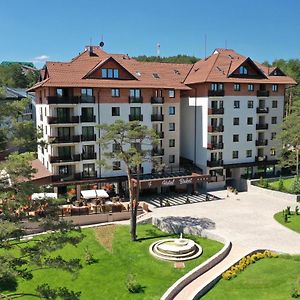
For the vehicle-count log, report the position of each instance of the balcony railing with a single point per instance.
(215, 163)
(158, 152)
(69, 120)
(219, 128)
(64, 139)
(261, 158)
(86, 138)
(215, 146)
(219, 93)
(66, 177)
(261, 142)
(63, 159)
(216, 111)
(135, 117)
(87, 99)
(217, 178)
(85, 175)
(157, 118)
(86, 119)
(262, 126)
(86, 156)
(262, 110)
(133, 99)
(261, 93)
(63, 100)
(160, 135)
(157, 100)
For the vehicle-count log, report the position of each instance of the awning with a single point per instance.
(42, 196)
(102, 194)
(91, 194)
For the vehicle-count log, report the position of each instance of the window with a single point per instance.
(115, 92)
(59, 92)
(250, 87)
(274, 120)
(236, 87)
(236, 104)
(273, 135)
(248, 153)
(87, 95)
(274, 104)
(171, 110)
(272, 152)
(235, 154)
(250, 104)
(88, 151)
(171, 126)
(171, 159)
(236, 121)
(135, 112)
(87, 114)
(86, 92)
(116, 165)
(249, 137)
(249, 121)
(41, 114)
(243, 70)
(235, 138)
(110, 73)
(217, 86)
(171, 93)
(116, 147)
(89, 170)
(135, 93)
(115, 111)
(274, 87)
(171, 143)
(88, 131)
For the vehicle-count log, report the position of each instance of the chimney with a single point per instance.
(91, 50)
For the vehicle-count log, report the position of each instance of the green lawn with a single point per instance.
(267, 279)
(106, 278)
(293, 221)
(287, 183)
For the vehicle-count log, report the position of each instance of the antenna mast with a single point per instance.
(158, 49)
(205, 38)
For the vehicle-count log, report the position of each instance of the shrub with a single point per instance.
(88, 256)
(296, 186)
(295, 293)
(281, 185)
(132, 285)
(297, 210)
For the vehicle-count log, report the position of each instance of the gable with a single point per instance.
(277, 72)
(109, 69)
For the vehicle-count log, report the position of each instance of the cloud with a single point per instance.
(41, 58)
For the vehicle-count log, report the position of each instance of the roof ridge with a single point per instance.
(208, 73)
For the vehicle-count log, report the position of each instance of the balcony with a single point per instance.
(215, 146)
(64, 139)
(158, 152)
(87, 119)
(216, 111)
(63, 100)
(215, 163)
(69, 120)
(66, 177)
(157, 100)
(157, 118)
(262, 110)
(87, 99)
(260, 93)
(86, 138)
(86, 156)
(64, 159)
(219, 128)
(87, 175)
(262, 126)
(160, 135)
(212, 93)
(217, 178)
(133, 99)
(135, 117)
(261, 158)
(261, 142)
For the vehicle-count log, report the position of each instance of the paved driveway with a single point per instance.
(245, 219)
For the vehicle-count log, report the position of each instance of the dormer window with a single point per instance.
(243, 70)
(110, 73)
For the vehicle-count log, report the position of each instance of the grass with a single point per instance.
(267, 279)
(293, 221)
(287, 184)
(107, 277)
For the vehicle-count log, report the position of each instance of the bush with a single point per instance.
(88, 256)
(295, 293)
(132, 285)
(281, 185)
(296, 186)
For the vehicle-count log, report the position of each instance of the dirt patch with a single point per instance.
(179, 265)
(105, 235)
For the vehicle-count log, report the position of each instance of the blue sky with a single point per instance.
(59, 29)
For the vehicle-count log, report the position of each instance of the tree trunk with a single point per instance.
(132, 206)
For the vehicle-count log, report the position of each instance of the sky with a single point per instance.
(57, 30)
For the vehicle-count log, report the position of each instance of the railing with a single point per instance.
(63, 100)
(217, 178)
(215, 163)
(64, 139)
(60, 159)
(85, 138)
(261, 158)
(219, 93)
(219, 128)
(87, 99)
(66, 177)
(215, 146)
(216, 111)
(262, 126)
(133, 99)
(156, 117)
(158, 152)
(157, 100)
(85, 156)
(262, 110)
(260, 93)
(261, 142)
(57, 120)
(85, 119)
(135, 117)
(85, 175)
(160, 135)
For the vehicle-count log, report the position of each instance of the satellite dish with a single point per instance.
(101, 44)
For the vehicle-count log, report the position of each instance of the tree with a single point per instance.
(132, 144)
(178, 59)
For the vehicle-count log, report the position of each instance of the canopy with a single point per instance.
(41, 196)
(91, 194)
(102, 194)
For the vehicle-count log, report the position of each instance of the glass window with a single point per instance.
(135, 111)
(115, 92)
(115, 111)
(250, 104)
(274, 104)
(104, 73)
(87, 92)
(243, 70)
(236, 87)
(109, 73)
(250, 87)
(59, 92)
(235, 154)
(135, 93)
(274, 120)
(235, 138)
(171, 126)
(88, 131)
(171, 159)
(236, 104)
(116, 73)
(274, 87)
(236, 121)
(272, 152)
(273, 135)
(116, 165)
(172, 143)
(249, 121)
(171, 110)
(89, 170)
(248, 153)
(171, 93)
(249, 137)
